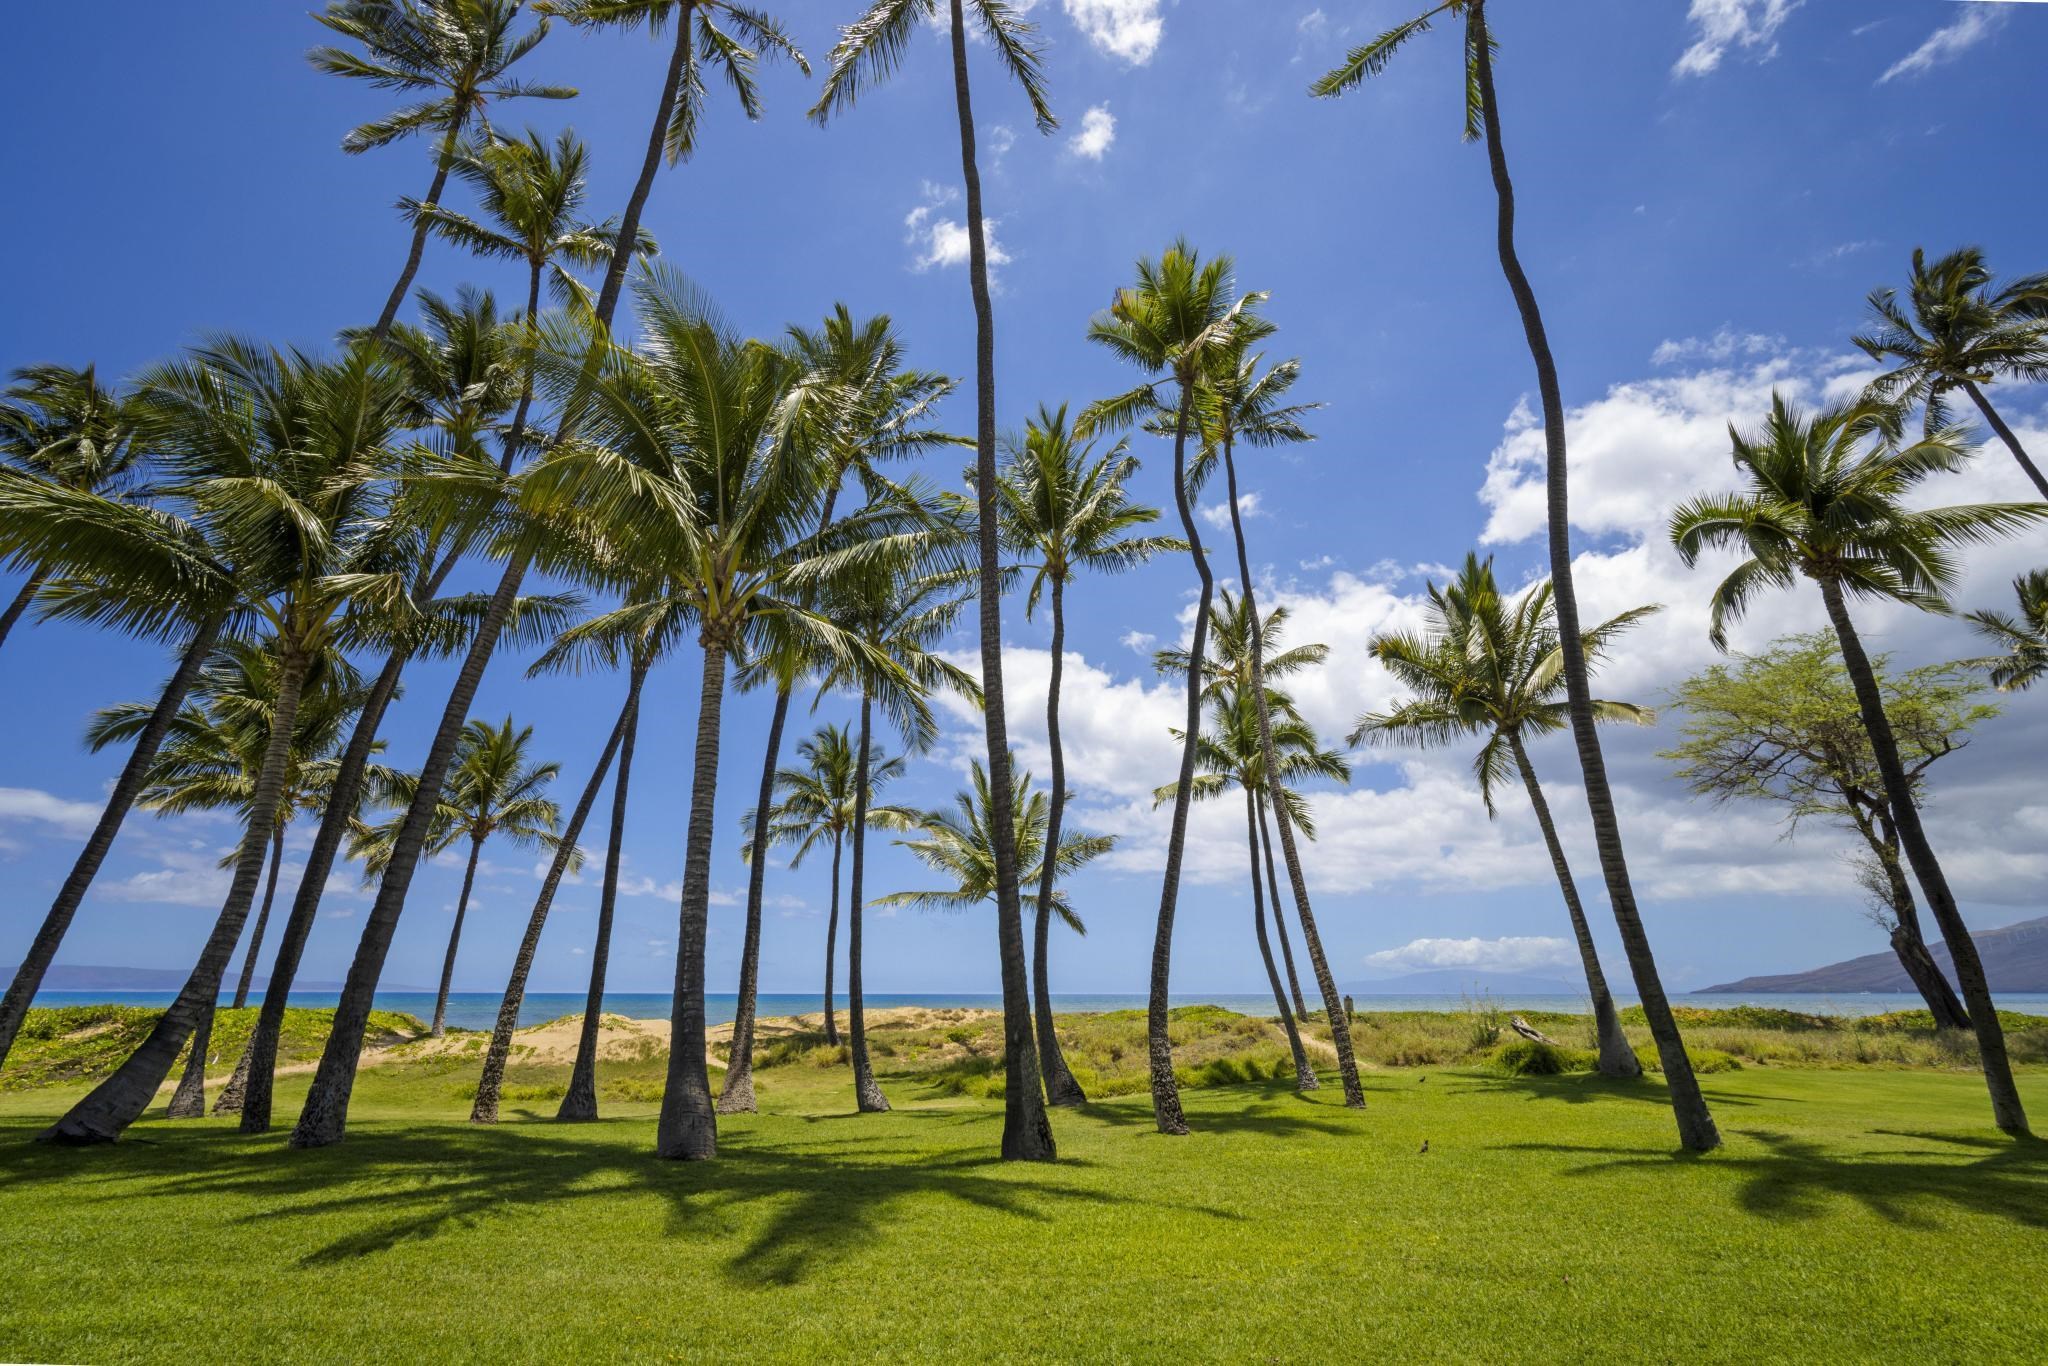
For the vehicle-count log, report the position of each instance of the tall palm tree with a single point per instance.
(869, 50)
(1488, 667)
(1964, 330)
(1062, 509)
(450, 57)
(1176, 324)
(2023, 638)
(713, 33)
(814, 806)
(58, 426)
(494, 787)
(1695, 1123)
(1826, 501)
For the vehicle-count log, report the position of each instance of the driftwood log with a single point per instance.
(1529, 1031)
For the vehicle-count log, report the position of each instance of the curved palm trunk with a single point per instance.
(1617, 1059)
(736, 1096)
(1910, 944)
(1166, 1111)
(262, 920)
(491, 1084)
(650, 166)
(1304, 1075)
(2006, 1109)
(440, 1025)
(2005, 434)
(831, 943)
(1696, 1129)
(29, 976)
(1279, 918)
(867, 1092)
(1060, 1086)
(442, 162)
(580, 1100)
(120, 1100)
(1027, 1133)
(1333, 1003)
(689, 1123)
(189, 1100)
(21, 602)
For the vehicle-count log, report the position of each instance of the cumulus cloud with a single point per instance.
(1513, 953)
(1970, 27)
(1126, 29)
(1720, 26)
(1098, 132)
(938, 239)
(61, 814)
(1218, 514)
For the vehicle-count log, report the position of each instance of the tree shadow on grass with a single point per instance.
(1585, 1088)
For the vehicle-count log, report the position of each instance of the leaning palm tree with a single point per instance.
(58, 426)
(1176, 325)
(1062, 509)
(1489, 667)
(1695, 1123)
(869, 50)
(1826, 501)
(2023, 639)
(450, 57)
(1960, 329)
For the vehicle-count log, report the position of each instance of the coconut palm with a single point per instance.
(1061, 509)
(1826, 501)
(869, 50)
(2023, 638)
(58, 426)
(1960, 329)
(1175, 324)
(714, 33)
(1489, 667)
(1695, 1123)
(450, 57)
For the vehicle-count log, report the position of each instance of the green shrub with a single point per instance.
(1702, 1059)
(633, 1090)
(1529, 1058)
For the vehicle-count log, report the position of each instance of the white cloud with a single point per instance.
(1514, 953)
(1001, 138)
(1723, 345)
(184, 877)
(1218, 514)
(30, 804)
(1721, 25)
(1140, 641)
(1098, 132)
(1126, 29)
(1971, 27)
(944, 241)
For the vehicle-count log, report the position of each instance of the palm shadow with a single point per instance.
(1584, 1088)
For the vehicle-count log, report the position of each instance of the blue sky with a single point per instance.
(1706, 194)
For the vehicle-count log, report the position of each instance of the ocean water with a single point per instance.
(479, 1009)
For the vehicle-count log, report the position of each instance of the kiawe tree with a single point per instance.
(1826, 500)
(1696, 1130)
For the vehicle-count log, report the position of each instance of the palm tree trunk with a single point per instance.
(443, 160)
(28, 977)
(2005, 434)
(1060, 1086)
(189, 1100)
(440, 1025)
(831, 943)
(1617, 1059)
(867, 1092)
(1304, 1075)
(120, 1100)
(1333, 1002)
(491, 1084)
(1027, 1133)
(21, 602)
(1166, 1111)
(262, 920)
(689, 1125)
(1910, 943)
(580, 1101)
(1279, 918)
(2006, 1109)
(650, 166)
(325, 1117)
(1696, 1129)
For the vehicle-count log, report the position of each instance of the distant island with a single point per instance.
(2015, 959)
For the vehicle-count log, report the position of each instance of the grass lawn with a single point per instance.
(1853, 1215)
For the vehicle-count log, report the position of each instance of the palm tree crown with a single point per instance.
(2023, 637)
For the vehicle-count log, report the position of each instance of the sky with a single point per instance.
(1707, 191)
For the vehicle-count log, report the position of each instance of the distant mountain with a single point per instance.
(1472, 982)
(85, 977)
(2015, 959)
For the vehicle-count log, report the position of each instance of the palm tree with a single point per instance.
(451, 58)
(1489, 667)
(58, 426)
(699, 41)
(1176, 324)
(1062, 509)
(1965, 330)
(868, 51)
(2024, 638)
(1826, 502)
(815, 806)
(1696, 1129)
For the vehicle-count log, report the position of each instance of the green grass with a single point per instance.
(1853, 1215)
(76, 1043)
